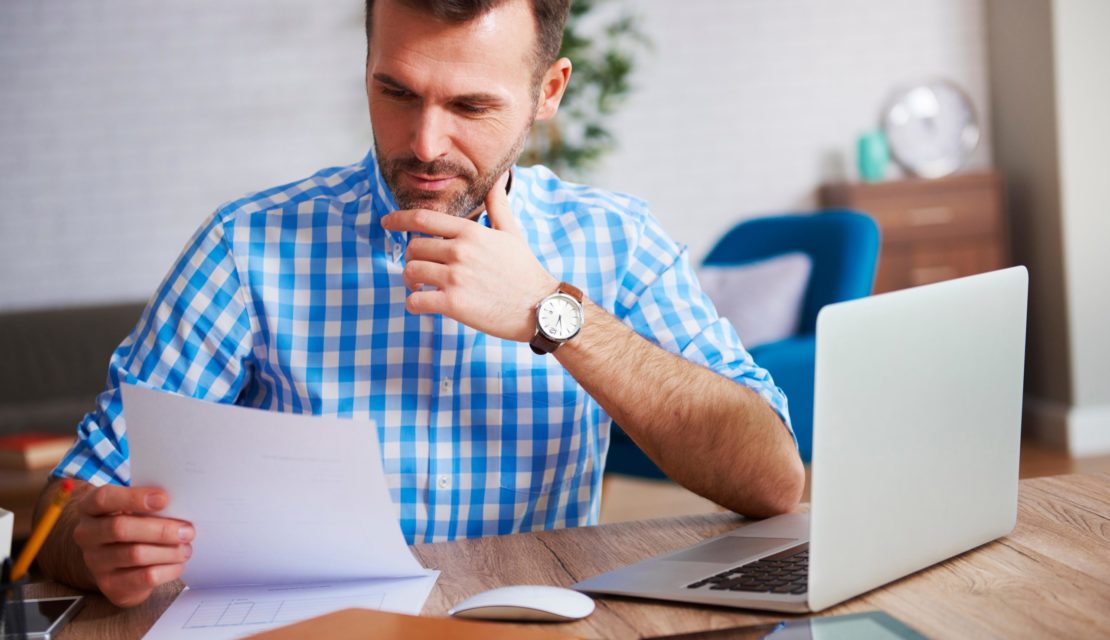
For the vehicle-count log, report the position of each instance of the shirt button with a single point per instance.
(396, 252)
(445, 385)
(443, 482)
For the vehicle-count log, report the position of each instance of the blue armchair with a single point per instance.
(844, 248)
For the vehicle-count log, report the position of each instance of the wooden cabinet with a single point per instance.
(932, 230)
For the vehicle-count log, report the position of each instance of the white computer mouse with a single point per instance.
(526, 603)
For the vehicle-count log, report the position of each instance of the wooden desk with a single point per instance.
(1049, 578)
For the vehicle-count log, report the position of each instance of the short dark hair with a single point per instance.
(550, 17)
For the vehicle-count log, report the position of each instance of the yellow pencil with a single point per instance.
(49, 517)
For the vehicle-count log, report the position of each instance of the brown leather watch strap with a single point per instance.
(570, 290)
(540, 343)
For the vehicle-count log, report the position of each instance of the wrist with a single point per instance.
(559, 317)
(550, 286)
(583, 338)
(61, 558)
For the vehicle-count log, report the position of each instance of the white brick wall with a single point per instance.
(746, 105)
(124, 123)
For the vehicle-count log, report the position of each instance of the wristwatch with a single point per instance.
(558, 319)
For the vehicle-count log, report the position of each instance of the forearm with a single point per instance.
(709, 433)
(705, 431)
(60, 557)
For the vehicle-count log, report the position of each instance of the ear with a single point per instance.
(552, 86)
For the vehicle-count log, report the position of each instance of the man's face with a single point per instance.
(451, 105)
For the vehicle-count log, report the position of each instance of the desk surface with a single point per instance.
(1050, 577)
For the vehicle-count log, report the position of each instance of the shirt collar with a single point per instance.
(382, 203)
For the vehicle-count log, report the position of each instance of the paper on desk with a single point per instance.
(275, 498)
(234, 612)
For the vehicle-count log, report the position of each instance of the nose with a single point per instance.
(430, 139)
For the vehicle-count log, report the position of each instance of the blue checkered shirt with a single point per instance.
(291, 299)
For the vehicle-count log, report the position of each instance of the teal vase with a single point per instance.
(873, 155)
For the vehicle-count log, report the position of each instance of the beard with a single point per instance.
(461, 202)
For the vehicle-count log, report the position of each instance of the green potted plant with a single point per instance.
(602, 47)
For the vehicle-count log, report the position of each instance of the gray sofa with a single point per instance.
(55, 362)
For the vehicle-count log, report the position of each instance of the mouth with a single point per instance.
(429, 183)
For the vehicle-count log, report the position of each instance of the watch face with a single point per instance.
(560, 317)
(932, 128)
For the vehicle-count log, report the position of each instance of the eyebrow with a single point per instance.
(485, 98)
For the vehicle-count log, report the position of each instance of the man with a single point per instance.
(405, 289)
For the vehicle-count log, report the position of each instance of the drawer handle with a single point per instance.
(926, 216)
(927, 275)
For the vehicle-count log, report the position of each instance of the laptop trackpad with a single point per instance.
(730, 549)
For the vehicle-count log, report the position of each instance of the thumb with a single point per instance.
(500, 211)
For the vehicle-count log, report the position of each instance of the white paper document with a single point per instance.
(279, 501)
(235, 612)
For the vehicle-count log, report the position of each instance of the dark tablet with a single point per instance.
(873, 625)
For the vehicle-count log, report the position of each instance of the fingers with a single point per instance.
(432, 250)
(126, 556)
(127, 552)
(432, 223)
(129, 587)
(112, 498)
(500, 211)
(127, 571)
(427, 302)
(419, 272)
(123, 528)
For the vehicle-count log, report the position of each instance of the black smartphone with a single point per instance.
(41, 618)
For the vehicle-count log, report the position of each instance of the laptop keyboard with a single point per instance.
(784, 572)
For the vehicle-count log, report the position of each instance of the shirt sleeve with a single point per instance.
(660, 298)
(193, 338)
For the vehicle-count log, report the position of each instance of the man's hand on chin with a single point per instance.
(128, 550)
(485, 278)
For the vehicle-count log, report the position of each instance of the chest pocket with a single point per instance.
(542, 411)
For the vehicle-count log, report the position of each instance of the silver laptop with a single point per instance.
(917, 421)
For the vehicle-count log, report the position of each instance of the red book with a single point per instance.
(33, 450)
